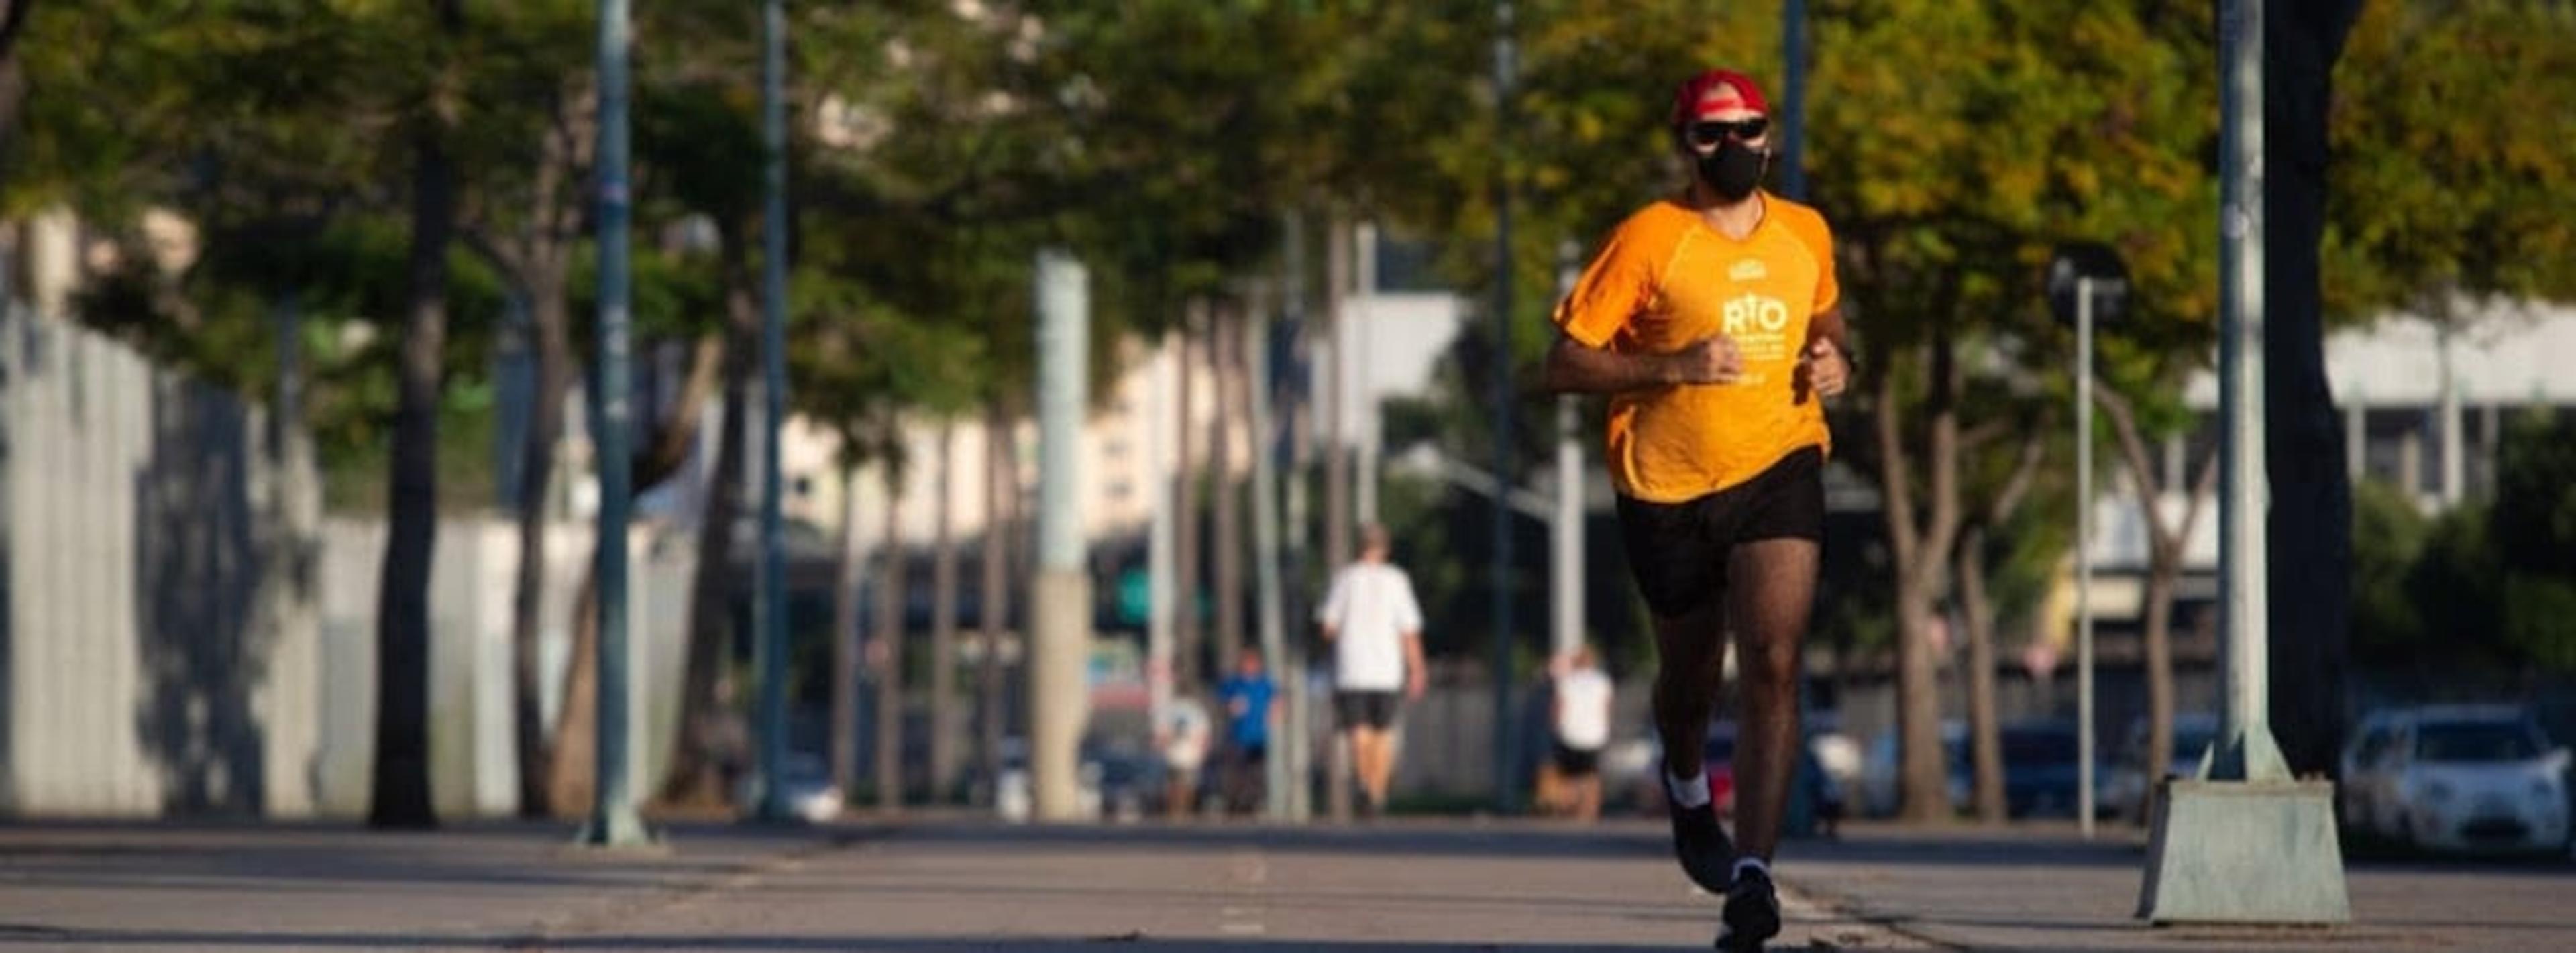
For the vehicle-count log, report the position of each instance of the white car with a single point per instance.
(2480, 778)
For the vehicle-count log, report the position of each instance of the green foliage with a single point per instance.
(2484, 586)
(2452, 173)
(2535, 537)
(2388, 537)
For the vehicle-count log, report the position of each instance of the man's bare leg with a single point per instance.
(1772, 583)
(1368, 756)
(1687, 685)
(1686, 691)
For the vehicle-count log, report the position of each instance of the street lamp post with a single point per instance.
(613, 820)
(2245, 843)
(1506, 790)
(769, 599)
(2087, 283)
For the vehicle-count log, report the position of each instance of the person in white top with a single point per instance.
(1582, 719)
(1184, 736)
(1375, 626)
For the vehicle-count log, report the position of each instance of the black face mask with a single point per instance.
(1732, 169)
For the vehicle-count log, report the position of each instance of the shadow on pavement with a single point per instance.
(209, 939)
(1396, 838)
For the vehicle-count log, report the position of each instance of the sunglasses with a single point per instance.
(1711, 132)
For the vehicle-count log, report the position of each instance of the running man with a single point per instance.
(1711, 320)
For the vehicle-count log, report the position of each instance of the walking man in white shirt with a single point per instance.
(1582, 710)
(1375, 626)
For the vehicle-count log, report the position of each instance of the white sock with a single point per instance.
(1754, 864)
(1687, 791)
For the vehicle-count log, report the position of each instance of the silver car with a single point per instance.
(2458, 777)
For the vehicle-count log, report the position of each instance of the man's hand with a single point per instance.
(1709, 360)
(1825, 368)
(1413, 685)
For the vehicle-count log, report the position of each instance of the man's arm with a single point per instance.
(1415, 676)
(1573, 367)
(1826, 363)
(1329, 615)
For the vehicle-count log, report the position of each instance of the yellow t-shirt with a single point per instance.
(1664, 280)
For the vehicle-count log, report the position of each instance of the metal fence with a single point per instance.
(181, 632)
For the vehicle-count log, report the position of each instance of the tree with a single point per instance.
(528, 234)
(2534, 530)
(2034, 103)
(2001, 502)
(2166, 537)
(399, 793)
(13, 77)
(2388, 536)
(2432, 207)
(2308, 566)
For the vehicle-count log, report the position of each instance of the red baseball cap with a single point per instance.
(1730, 88)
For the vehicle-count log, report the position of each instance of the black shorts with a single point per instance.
(1576, 762)
(1678, 551)
(1374, 709)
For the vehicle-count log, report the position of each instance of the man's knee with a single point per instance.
(1771, 673)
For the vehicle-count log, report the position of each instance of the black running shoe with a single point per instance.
(1701, 845)
(1752, 913)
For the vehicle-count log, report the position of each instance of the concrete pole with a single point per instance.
(1363, 405)
(769, 596)
(1506, 761)
(1566, 564)
(2454, 445)
(2245, 843)
(1265, 552)
(2356, 419)
(1161, 432)
(1061, 620)
(2084, 555)
(2248, 753)
(613, 820)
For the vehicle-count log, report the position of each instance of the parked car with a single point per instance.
(2123, 789)
(805, 781)
(2468, 778)
(1880, 790)
(1114, 780)
(2357, 799)
(2043, 769)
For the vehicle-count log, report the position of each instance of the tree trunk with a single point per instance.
(1225, 341)
(545, 433)
(1188, 643)
(1985, 734)
(842, 735)
(1985, 729)
(542, 262)
(1922, 550)
(697, 773)
(2164, 570)
(399, 795)
(13, 77)
(568, 784)
(2310, 528)
(943, 620)
(1337, 458)
(995, 614)
(885, 654)
(2158, 639)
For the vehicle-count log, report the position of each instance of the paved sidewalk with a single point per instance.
(922, 885)
(940, 884)
(2044, 888)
